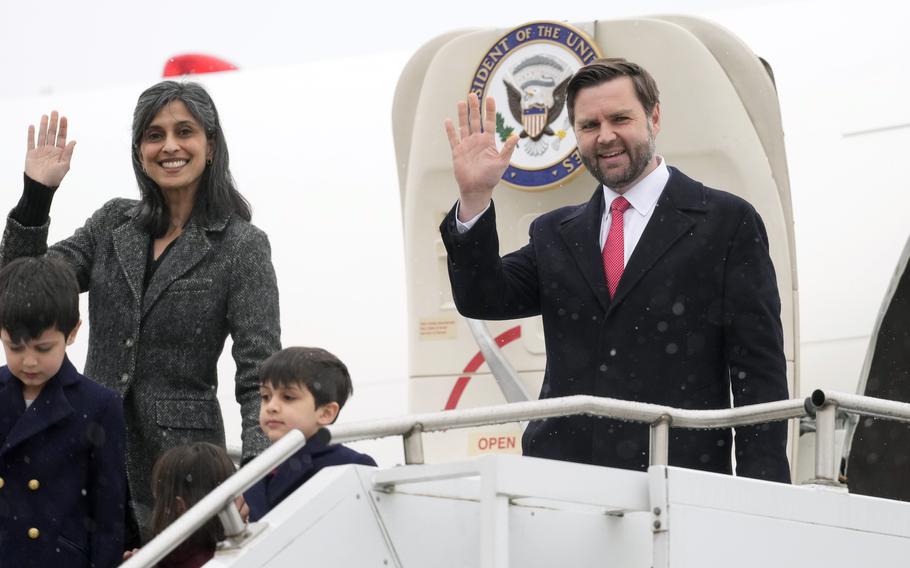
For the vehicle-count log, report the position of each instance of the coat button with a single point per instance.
(34, 485)
(2, 483)
(33, 533)
(124, 378)
(129, 342)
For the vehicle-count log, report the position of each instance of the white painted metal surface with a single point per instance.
(501, 510)
(727, 521)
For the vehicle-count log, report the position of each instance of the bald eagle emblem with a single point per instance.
(536, 88)
(527, 71)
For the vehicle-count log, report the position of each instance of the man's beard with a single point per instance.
(639, 155)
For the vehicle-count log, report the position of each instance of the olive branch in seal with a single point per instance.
(501, 129)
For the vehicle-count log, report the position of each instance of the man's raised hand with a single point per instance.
(47, 159)
(478, 165)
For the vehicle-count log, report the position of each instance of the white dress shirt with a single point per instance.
(642, 198)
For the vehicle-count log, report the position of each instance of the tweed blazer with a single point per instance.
(158, 346)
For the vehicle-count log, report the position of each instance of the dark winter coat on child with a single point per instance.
(272, 489)
(62, 473)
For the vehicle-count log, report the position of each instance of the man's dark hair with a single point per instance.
(323, 374)
(37, 293)
(217, 196)
(609, 68)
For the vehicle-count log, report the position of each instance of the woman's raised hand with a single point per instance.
(48, 158)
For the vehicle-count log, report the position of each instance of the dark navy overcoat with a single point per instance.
(62, 474)
(695, 318)
(295, 471)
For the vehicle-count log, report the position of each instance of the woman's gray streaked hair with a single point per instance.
(217, 196)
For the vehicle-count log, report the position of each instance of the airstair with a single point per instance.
(507, 510)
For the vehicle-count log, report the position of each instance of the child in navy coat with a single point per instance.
(62, 468)
(302, 388)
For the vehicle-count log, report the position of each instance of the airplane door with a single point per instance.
(877, 452)
(720, 124)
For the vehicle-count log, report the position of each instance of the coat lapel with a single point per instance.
(131, 245)
(188, 250)
(263, 496)
(11, 404)
(581, 234)
(49, 408)
(290, 475)
(667, 224)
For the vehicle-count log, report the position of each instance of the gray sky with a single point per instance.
(64, 45)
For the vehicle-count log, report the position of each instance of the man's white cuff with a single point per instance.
(466, 226)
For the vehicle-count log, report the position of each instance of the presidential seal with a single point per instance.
(527, 71)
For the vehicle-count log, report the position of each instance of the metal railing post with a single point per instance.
(231, 521)
(413, 446)
(494, 521)
(825, 470)
(660, 441)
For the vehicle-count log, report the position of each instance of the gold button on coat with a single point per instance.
(1, 483)
(33, 533)
(34, 485)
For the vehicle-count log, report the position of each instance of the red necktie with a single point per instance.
(614, 249)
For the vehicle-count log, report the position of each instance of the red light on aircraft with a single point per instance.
(195, 64)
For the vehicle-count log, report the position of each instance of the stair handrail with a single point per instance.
(824, 405)
(412, 427)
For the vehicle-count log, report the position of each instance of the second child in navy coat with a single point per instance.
(302, 388)
(297, 470)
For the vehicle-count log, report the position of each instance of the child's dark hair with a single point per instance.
(37, 293)
(189, 472)
(323, 374)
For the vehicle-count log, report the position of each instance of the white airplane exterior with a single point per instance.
(346, 166)
(314, 153)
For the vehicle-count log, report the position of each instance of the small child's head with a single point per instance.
(39, 317)
(181, 477)
(302, 388)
